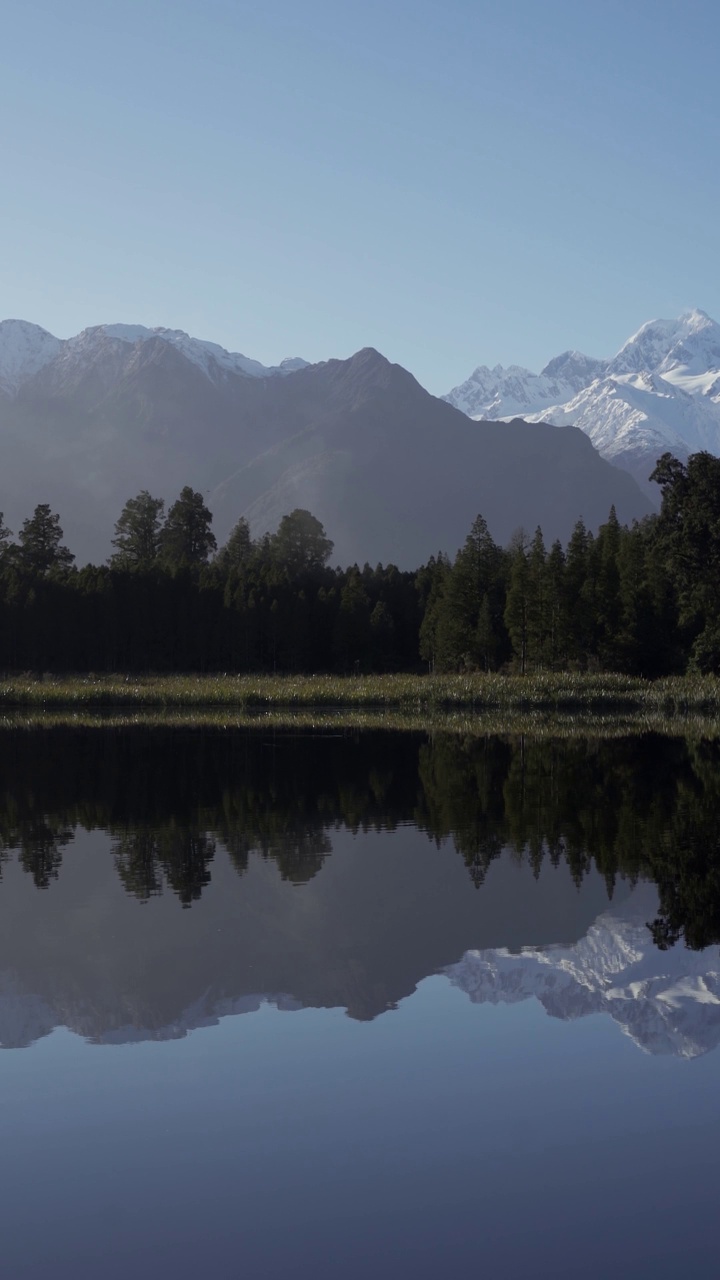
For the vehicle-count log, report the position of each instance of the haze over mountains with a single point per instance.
(660, 392)
(394, 473)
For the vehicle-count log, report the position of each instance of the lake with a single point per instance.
(358, 1004)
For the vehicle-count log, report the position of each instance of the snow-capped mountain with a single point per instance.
(668, 1002)
(25, 349)
(515, 392)
(660, 392)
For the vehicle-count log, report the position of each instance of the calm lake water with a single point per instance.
(358, 1005)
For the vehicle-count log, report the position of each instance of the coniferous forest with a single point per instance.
(643, 600)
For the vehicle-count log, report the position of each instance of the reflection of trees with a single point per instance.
(462, 796)
(641, 806)
(178, 854)
(39, 842)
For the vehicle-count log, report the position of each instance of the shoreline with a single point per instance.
(548, 692)
(474, 706)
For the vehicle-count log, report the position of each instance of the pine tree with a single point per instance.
(431, 583)
(40, 538)
(689, 534)
(237, 550)
(6, 547)
(186, 539)
(557, 620)
(137, 533)
(382, 636)
(352, 636)
(578, 594)
(301, 544)
(608, 605)
(537, 604)
(470, 628)
(517, 602)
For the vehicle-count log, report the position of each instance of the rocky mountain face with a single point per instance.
(660, 392)
(393, 473)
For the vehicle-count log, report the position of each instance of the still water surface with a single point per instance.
(358, 1005)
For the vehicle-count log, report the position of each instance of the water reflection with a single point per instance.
(667, 1001)
(341, 870)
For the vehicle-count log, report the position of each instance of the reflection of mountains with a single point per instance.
(335, 871)
(355, 940)
(388, 909)
(667, 1001)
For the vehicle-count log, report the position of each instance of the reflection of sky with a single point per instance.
(444, 1139)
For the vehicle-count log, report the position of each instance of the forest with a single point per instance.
(642, 600)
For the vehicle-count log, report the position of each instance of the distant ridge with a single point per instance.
(394, 473)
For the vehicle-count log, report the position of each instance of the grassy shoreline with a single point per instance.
(543, 692)
(348, 721)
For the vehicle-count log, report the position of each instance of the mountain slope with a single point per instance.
(393, 473)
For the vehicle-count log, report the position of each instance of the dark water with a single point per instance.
(363, 1005)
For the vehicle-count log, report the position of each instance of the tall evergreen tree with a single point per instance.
(470, 628)
(608, 604)
(301, 544)
(431, 584)
(689, 531)
(517, 612)
(557, 619)
(137, 533)
(186, 538)
(351, 641)
(578, 594)
(236, 552)
(40, 538)
(537, 602)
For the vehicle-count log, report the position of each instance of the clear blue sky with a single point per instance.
(451, 181)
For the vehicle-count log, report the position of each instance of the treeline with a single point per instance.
(643, 600)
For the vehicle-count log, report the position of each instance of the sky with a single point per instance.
(454, 182)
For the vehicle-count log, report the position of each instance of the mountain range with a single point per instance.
(394, 473)
(660, 392)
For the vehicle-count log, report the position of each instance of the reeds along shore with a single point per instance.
(477, 692)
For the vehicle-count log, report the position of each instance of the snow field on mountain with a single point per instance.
(660, 392)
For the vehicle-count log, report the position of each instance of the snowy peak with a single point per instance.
(210, 357)
(509, 392)
(574, 368)
(668, 1002)
(660, 392)
(513, 391)
(24, 350)
(691, 342)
